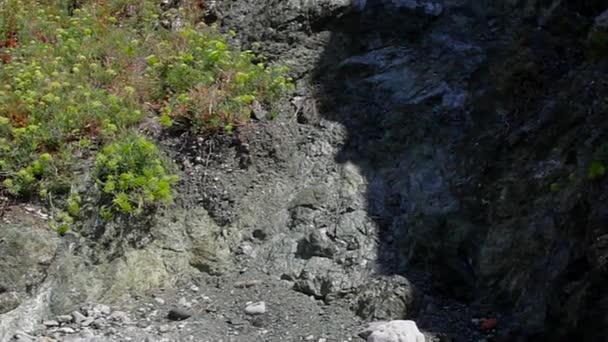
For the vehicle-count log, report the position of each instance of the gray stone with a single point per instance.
(88, 321)
(321, 277)
(120, 317)
(99, 323)
(386, 298)
(316, 244)
(9, 301)
(96, 310)
(105, 309)
(257, 308)
(179, 314)
(64, 318)
(258, 111)
(24, 337)
(78, 317)
(247, 283)
(27, 248)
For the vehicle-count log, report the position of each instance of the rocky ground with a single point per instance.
(432, 165)
(244, 306)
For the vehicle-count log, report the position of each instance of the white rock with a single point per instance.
(255, 308)
(66, 330)
(159, 300)
(393, 331)
(184, 303)
(194, 288)
(51, 323)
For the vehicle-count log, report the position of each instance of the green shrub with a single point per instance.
(210, 87)
(131, 176)
(597, 170)
(74, 80)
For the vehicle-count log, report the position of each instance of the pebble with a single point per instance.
(236, 321)
(246, 284)
(258, 322)
(183, 302)
(51, 323)
(178, 314)
(159, 301)
(78, 317)
(99, 323)
(87, 322)
(256, 308)
(120, 317)
(86, 333)
(194, 288)
(142, 324)
(164, 328)
(104, 309)
(64, 318)
(22, 336)
(66, 330)
(309, 337)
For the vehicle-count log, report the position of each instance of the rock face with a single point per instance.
(474, 138)
(465, 138)
(27, 249)
(9, 301)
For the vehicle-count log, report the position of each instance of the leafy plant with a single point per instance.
(131, 176)
(597, 170)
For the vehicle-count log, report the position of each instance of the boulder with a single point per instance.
(393, 331)
(385, 298)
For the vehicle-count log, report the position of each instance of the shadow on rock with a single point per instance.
(396, 75)
(468, 125)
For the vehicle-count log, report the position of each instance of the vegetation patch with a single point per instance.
(77, 82)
